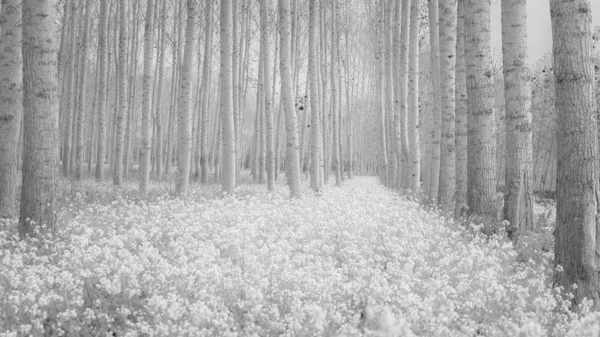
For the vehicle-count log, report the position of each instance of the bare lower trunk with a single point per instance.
(122, 102)
(447, 181)
(480, 106)
(147, 99)
(518, 198)
(227, 117)
(577, 190)
(414, 166)
(461, 114)
(11, 96)
(292, 157)
(40, 97)
(185, 102)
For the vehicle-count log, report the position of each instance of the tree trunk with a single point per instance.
(314, 96)
(227, 117)
(11, 96)
(270, 160)
(185, 102)
(447, 57)
(414, 167)
(334, 98)
(81, 101)
(102, 79)
(518, 198)
(122, 102)
(480, 105)
(206, 78)
(402, 94)
(576, 237)
(291, 127)
(40, 97)
(432, 186)
(147, 99)
(461, 114)
(70, 87)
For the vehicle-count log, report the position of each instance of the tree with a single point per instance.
(81, 100)
(447, 57)
(334, 97)
(264, 47)
(431, 185)
(402, 88)
(40, 117)
(314, 96)
(291, 124)
(11, 96)
(185, 102)
(480, 105)
(228, 136)
(122, 101)
(518, 198)
(577, 190)
(461, 113)
(414, 167)
(206, 79)
(102, 59)
(147, 98)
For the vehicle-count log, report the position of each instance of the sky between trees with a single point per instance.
(539, 29)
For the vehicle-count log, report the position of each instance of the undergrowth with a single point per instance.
(353, 261)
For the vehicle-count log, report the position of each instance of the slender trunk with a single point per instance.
(185, 102)
(102, 79)
(81, 102)
(291, 127)
(147, 99)
(122, 102)
(206, 79)
(314, 96)
(270, 160)
(447, 181)
(414, 167)
(461, 114)
(226, 111)
(434, 38)
(518, 198)
(334, 98)
(68, 112)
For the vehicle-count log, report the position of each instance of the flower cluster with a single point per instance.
(353, 261)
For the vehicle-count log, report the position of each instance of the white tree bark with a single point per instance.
(461, 114)
(184, 144)
(122, 102)
(291, 124)
(518, 198)
(227, 118)
(414, 167)
(314, 96)
(480, 105)
(447, 57)
(147, 98)
(270, 146)
(102, 80)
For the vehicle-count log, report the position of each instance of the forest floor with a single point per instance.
(359, 260)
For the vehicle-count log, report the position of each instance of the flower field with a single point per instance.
(358, 260)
